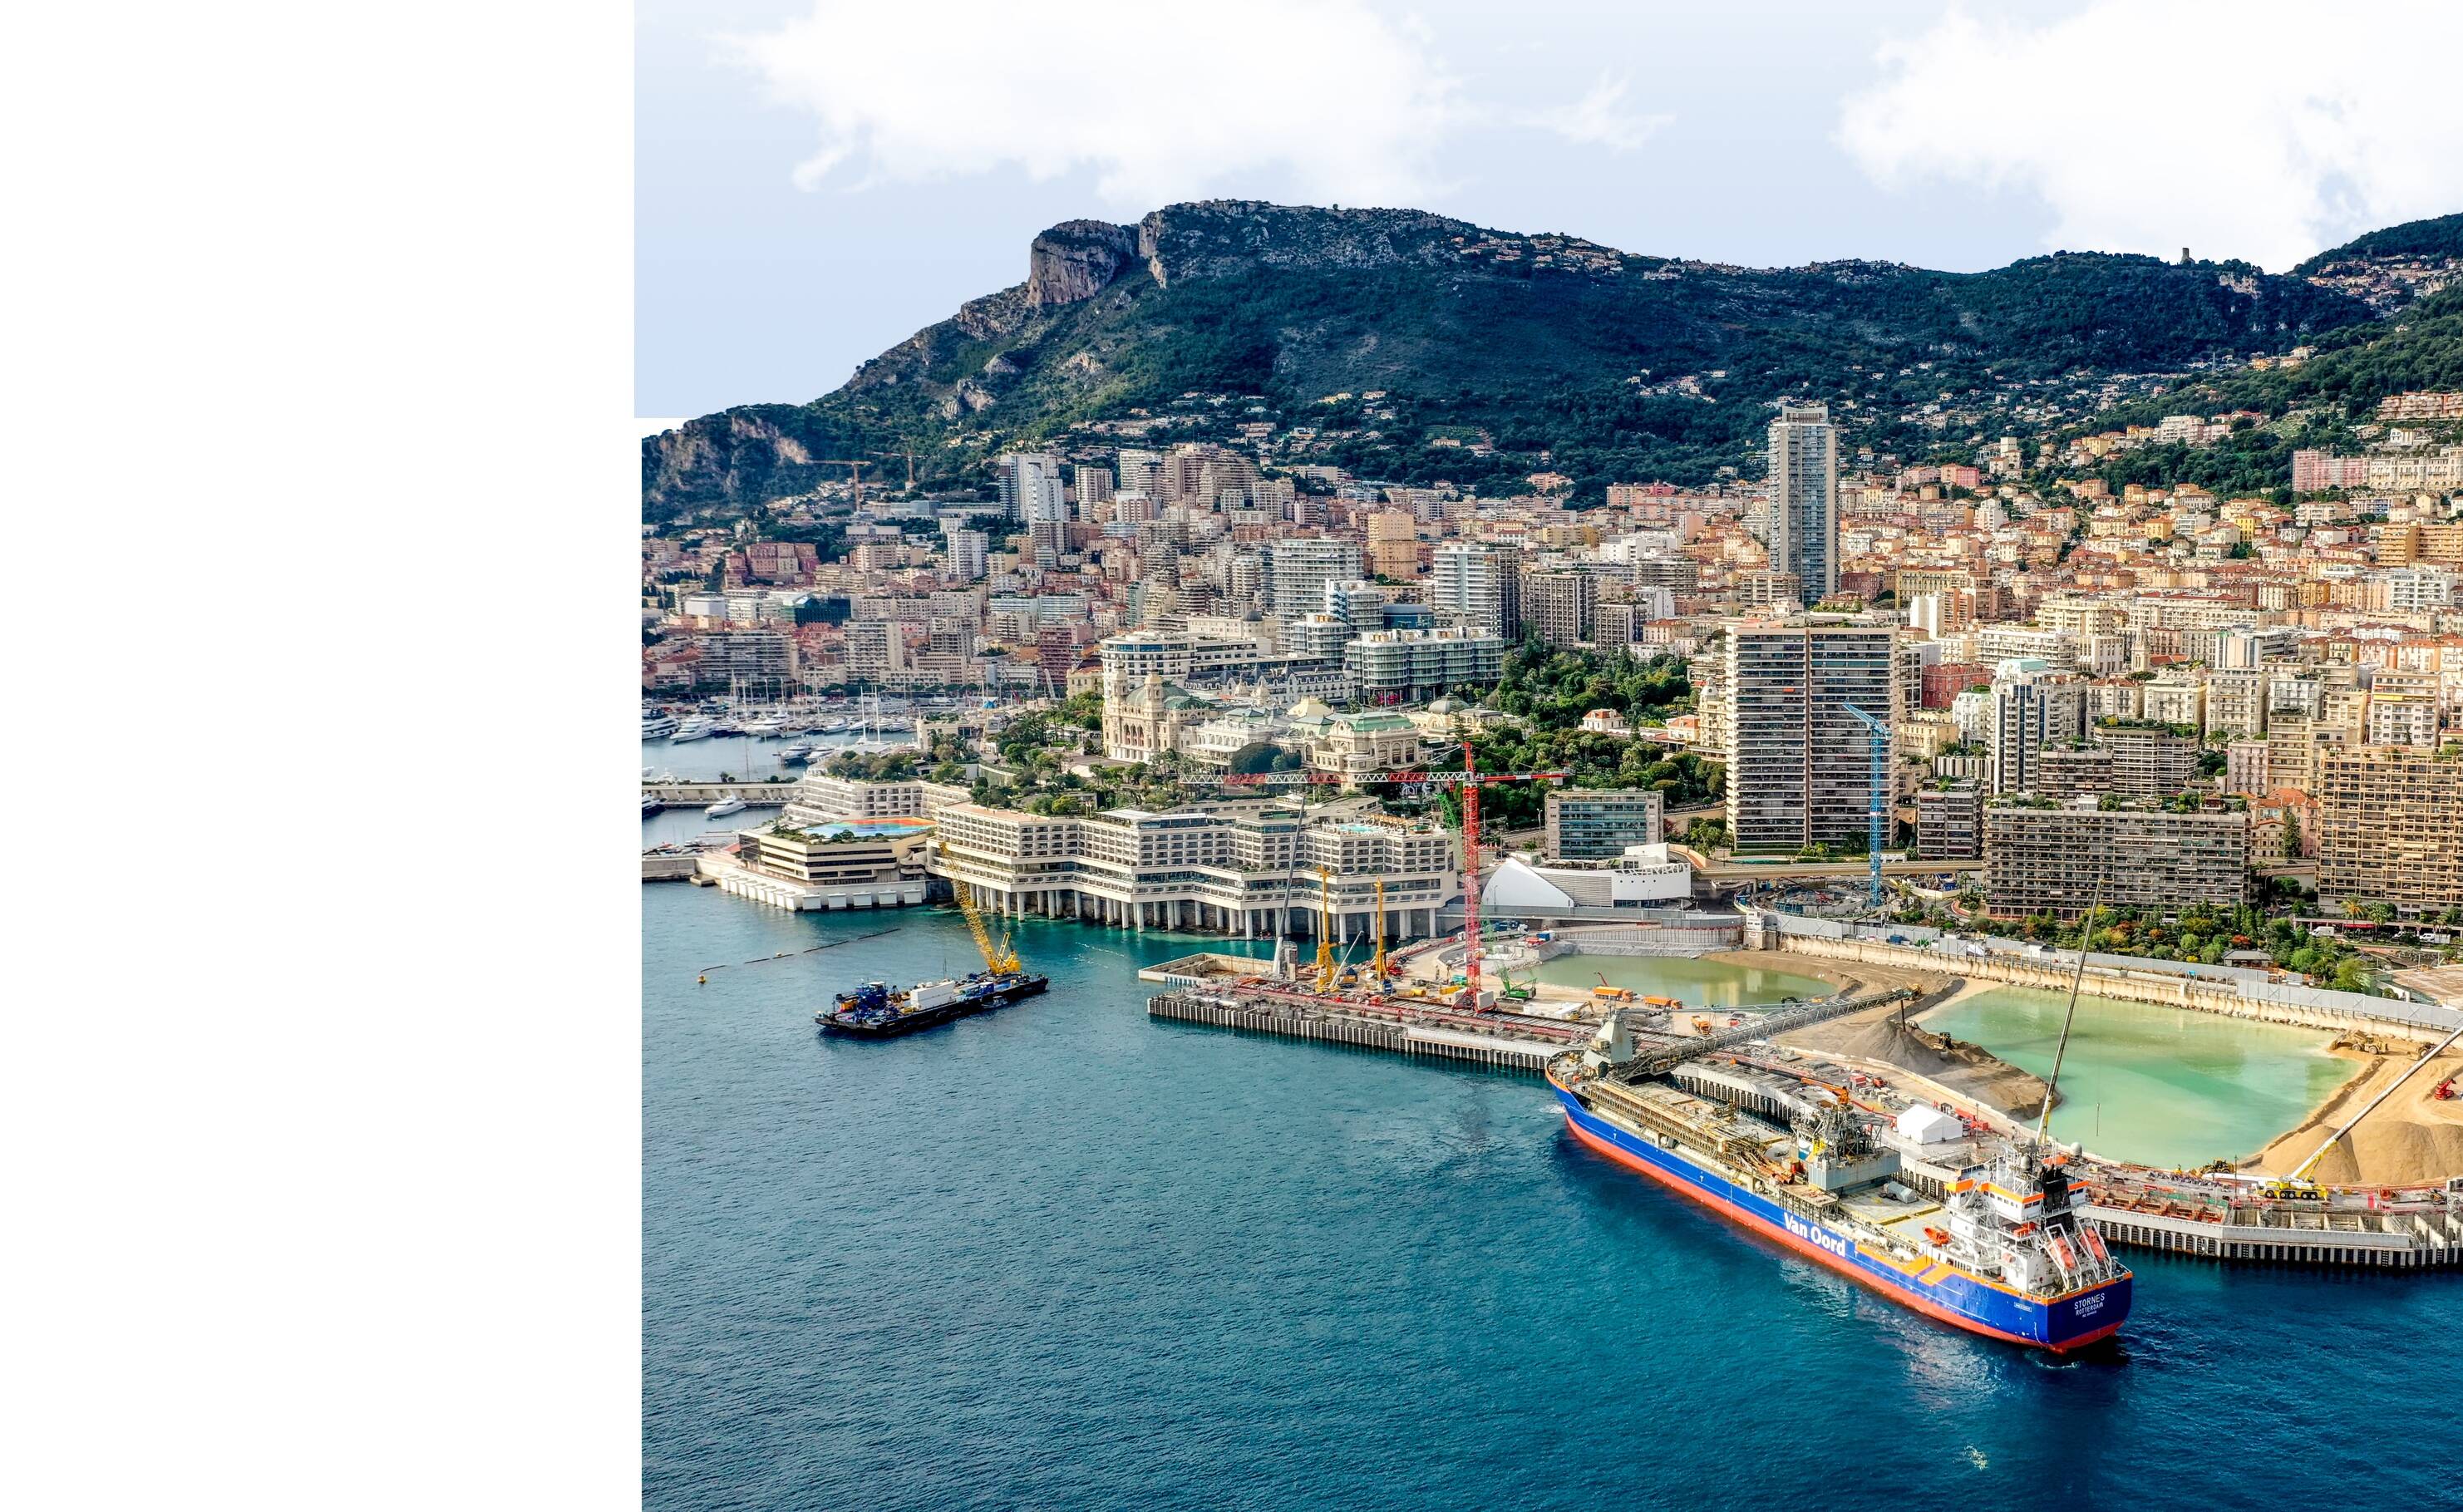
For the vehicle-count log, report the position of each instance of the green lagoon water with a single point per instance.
(2161, 1085)
(1697, 982)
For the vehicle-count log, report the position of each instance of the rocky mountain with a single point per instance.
(1493, 352)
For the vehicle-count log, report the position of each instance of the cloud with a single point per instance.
(1596, 118)
(2266, 131)
(1328, 99)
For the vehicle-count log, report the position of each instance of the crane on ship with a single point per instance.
(999, 955)
(1468, 781)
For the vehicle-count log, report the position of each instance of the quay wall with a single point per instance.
(2161, 987)
(1367, 1034)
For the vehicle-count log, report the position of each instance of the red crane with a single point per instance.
(1470, 779)
(1473, 780)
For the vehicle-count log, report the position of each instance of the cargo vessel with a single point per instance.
(2004, 1249)
(878, 1011)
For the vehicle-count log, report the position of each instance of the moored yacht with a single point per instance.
(696, 728)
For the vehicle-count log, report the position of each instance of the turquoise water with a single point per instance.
(1065, 1257)
(2161, 1085)
(1694, 982)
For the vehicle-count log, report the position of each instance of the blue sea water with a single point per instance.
(1066, 1256)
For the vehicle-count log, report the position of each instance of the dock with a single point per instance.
(2423, 1234)
(1509, 1042)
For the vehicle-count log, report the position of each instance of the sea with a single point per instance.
(1064, 1256)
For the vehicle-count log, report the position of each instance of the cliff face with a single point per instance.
(1075, 260)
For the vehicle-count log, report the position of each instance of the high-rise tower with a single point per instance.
(1804, 498)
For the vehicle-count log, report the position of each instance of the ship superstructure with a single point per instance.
(1991, 1242)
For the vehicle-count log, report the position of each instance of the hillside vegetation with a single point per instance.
(1543, 351)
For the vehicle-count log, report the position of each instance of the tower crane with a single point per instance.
(907, 451)
(856, 467)
(1878, 736)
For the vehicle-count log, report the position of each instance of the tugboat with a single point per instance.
(878, 1011)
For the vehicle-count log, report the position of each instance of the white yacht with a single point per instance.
(650, 805)
(729, 804)
(767, 725)
(655, 724)
(694, 728)
(798, 752)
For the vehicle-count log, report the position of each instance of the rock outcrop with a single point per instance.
(1075, 260)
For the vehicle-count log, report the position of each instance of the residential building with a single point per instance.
(2390, 828)
(1031, 486)
(1804, 498)
(2031, 709)
(2149, 760)
(1299, 571)
(1560, 606)
(1388, 666)
(1599, 823)
(2042, 856)
(1798, 767)
(1393, 544)
(1473, 583)
(1949, 822)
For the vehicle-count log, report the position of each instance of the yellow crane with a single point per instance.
(1377, 962)
(998, 955)
(1324, 930)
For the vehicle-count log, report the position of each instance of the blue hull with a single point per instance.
(2062, 1323)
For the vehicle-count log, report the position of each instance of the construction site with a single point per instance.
(1474, 998)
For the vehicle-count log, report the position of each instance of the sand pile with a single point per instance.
(2412, 1137)
(1969, 1070)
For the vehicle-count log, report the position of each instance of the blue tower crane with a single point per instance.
(1879, 734)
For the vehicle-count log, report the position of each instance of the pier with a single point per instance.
(2421, 1234)
(1506, 1040)
(697, 795)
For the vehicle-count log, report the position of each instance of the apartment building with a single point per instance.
(1475, 584)
(1804, 498)
(1799, 770)
(2042, 856)
(2149, 760)
(2031, 711)
(1950, 821)
(1390, 666)
(1243, 866)
(1599, 823)
(1560, 606)
(2390, 828)
(1174, 656)
(1394, 544)
(1299, 572)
